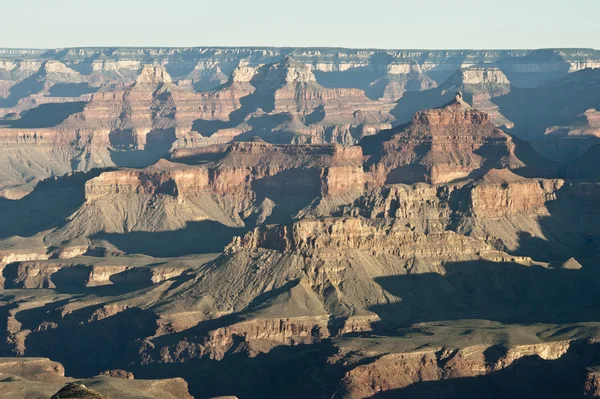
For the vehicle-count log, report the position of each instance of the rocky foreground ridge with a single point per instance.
(42, 378)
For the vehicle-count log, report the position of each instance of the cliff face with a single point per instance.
(396, 371)
(245, 184)
(483, 76)
(288, 105)
(501, 192)
(326, 169)
(162, 178)
(376, 236)
(279, 99)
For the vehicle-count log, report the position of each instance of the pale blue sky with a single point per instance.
(433, 24)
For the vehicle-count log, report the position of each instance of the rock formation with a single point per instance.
(39, 377)
(441, 145)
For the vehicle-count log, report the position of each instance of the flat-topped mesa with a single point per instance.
(456, 112)
(481, 76)
(500, 193)
(325, 169)
(57, 67)
(163, 177)
(153, 75)
(401, 67)
(328, 169)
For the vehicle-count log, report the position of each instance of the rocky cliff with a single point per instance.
(441, 145)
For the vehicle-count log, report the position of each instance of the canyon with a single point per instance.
(259, 222)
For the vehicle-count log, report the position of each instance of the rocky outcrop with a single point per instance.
(376, 236)
(128, 375)
(592, 383)
(441, 145)
(500, 193)
(243, 183)
(84, 273)
(75, 390)
(483, 76)
(40, 377)
(397, 371)
(328, 169)
(216, 343)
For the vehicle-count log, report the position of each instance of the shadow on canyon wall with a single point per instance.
(508, 292)
(45, 115)
(46, 207)
(504, 292)
(555, 103)
(196, 238)
(5, 309)
(263, 98)
(125, 152)
(530, 377)
(71, 90)
(572, 228)
(414, 101)
(296, 372)
(358, 77)
(24, 88)
(86, 344)
(289, 191)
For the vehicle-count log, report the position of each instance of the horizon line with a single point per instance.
(297, 47)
